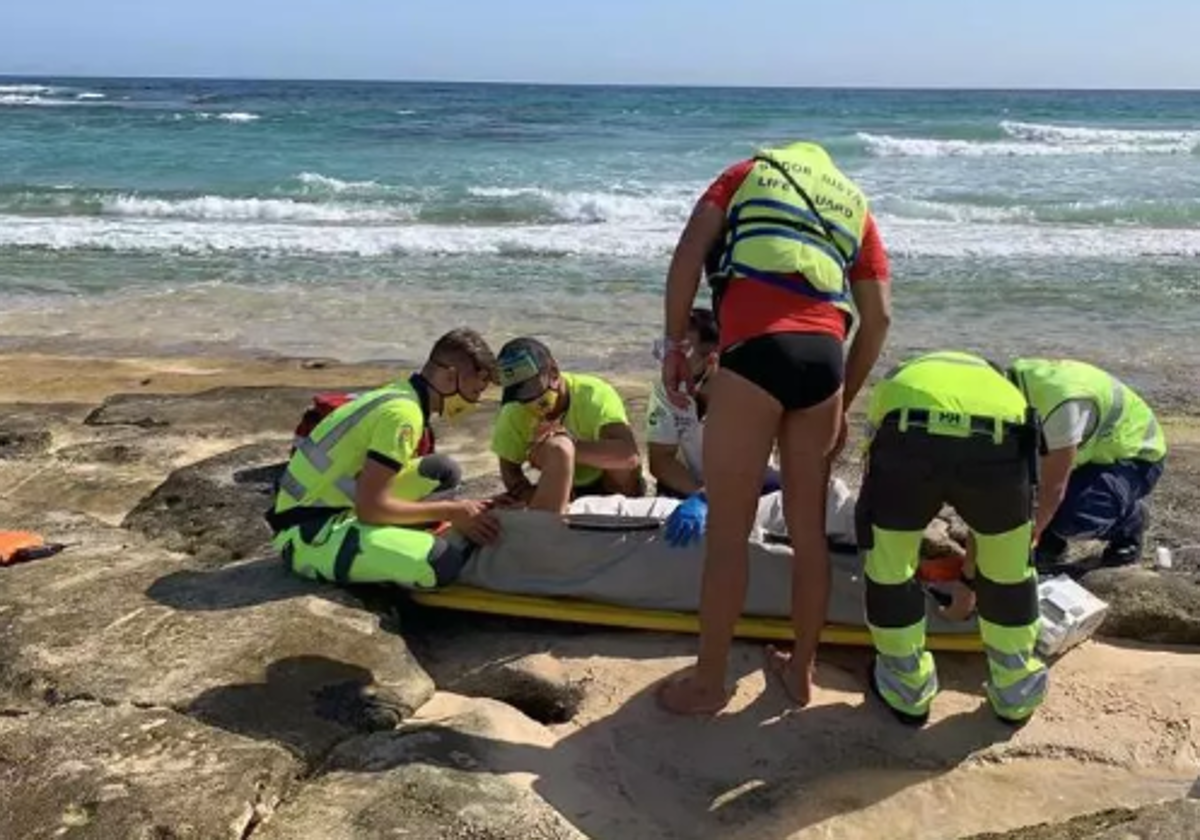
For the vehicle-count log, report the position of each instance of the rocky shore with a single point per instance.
(163, 677)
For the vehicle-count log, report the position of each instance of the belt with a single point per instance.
(951, 424)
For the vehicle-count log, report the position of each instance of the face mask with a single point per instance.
(456, 405)
(544, 405)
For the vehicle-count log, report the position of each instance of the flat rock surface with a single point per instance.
(246, 647)
(213, 509)
(85, 770)
(1166, 821)
(449, 774)
(227, 411)
(1148, 606)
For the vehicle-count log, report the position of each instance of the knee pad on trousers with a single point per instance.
(1007, 604)
(442, 469)
(448, 560)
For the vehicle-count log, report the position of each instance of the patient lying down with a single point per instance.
(611, 550)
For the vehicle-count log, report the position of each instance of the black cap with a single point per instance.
(523, 362)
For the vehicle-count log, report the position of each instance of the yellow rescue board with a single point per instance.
(470, 599)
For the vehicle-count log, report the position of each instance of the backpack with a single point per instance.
(322, 406)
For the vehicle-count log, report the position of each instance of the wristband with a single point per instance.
(664, 347)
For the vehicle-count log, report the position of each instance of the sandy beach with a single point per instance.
(165, 675)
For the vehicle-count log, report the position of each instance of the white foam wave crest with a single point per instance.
(317, 181)
(217, 208)
(669, 205)
(905, 237)
(44, 96)
(32, 99)
(918, 208)
(1042, 132)
(187, 236)
(230, 116)
(932, 238)
(1033, 140)
(27, 88)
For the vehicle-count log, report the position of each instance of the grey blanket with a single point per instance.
(540, 554)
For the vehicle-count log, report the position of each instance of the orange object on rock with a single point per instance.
(13, 542)
(23, 546)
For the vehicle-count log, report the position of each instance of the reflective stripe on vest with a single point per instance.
(320, 453)
(774, 235)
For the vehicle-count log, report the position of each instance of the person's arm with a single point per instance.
(1055, 474)
(663, 441)
(871, 288)
(687, 266)
(374, 503)
(510, 444)
(516, 484)
(616, 449)
(669, 471)
(874, 304)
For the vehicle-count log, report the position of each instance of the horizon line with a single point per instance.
(674, 85)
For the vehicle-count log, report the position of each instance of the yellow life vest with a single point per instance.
(796, 221)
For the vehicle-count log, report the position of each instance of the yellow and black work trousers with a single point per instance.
(910, 475)
(331, 545)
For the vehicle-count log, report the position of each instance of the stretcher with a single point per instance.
(471, 599)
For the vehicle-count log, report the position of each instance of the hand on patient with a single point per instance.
(686, 523)
(475, 521)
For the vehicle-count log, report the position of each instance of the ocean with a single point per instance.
(360, 220)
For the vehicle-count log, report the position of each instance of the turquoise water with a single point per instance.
(359, 220)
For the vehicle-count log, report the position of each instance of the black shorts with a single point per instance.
(799, 370)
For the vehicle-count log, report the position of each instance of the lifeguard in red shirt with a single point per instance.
(795, 259)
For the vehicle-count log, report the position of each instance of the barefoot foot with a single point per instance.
(686, 695)
(796, 678)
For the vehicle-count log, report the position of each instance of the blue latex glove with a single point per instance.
(686, 522)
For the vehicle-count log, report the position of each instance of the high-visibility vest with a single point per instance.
(1125, 429)
(801, 239)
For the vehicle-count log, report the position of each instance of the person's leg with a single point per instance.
(1126, 537)
(413, 559)
(808, 383)
(555, 460)
(740, 430)
(806, 438)
(993, 495)
(1102, 502)
(346, 551)
(903, 490)
(434, 476)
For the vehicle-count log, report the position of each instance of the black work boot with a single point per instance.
(1125, 550)
(1050, 551)
(915, 721)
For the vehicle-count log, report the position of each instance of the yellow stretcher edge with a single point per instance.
(471, 599)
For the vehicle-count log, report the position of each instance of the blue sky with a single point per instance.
(944, 43)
